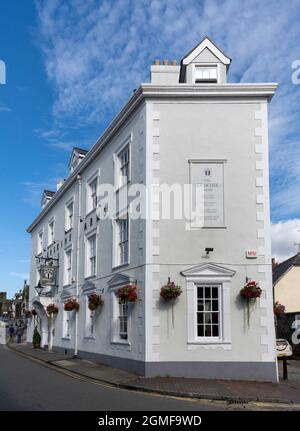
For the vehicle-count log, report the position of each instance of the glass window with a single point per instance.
(123, 159)
(91, 256)
(51, 232)
(68, 267)
(69, 216)
(208, 311)
(66, 329)
(40, 243)
(123, 321)
(93, 194)
(122, 240)
(205, 74)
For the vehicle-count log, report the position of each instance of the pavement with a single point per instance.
(284, 392)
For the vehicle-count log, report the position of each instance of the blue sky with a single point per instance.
(71, 65)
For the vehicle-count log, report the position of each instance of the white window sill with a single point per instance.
(207, 341)
(122, 343)
(121, 265)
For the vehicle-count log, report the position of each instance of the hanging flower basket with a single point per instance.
(251, 290)
(279, 309)
(27, 314)
(52, 309)
(95, 301)
(33, 312)
(127, 294)
(170, 291)
(71, 304)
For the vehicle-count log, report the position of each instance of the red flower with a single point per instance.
(95, 301)
(127, 293)
(170, 291)
(71, 304)
(251, 290)
(279, 309)
(52, 309)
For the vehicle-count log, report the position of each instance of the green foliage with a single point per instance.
(36, 339)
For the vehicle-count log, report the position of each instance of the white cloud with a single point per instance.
(96, 53)
(284, 236)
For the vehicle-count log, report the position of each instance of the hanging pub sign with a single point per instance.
(48, 275)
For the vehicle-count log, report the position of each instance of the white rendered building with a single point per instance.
(187, 126)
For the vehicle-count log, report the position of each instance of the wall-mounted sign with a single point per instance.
(48, 275)
(251, 254)
(210, 176)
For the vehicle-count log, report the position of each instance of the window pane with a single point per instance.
(215, 304)
(215, 317)
(200, 331)
(200, 318)
(207, 292)
(215, 330)
(215, 292)
(200, 292)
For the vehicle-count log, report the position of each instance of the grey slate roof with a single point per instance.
(283, 267)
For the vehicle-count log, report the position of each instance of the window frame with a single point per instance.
(40, 241)
(88, 272)
(66, 333)
(91, 202)
(220, 309)
(208, 274)
(51, 231)
(68, 270)
(115, 322)
(89, 320)
(117, 243)
(69, 225)
(126, 145)
(214, 66)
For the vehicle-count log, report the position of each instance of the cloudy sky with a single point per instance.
(71, 65)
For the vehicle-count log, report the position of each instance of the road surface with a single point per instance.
(27, 385)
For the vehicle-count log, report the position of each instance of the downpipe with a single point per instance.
(77, 262)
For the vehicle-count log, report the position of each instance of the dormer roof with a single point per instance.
(46, 196)
(206, 43)
(205, 52)
(77, 155)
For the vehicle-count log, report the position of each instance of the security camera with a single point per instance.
(208, 250)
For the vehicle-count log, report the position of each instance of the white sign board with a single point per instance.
(209, 176)
(251, 254)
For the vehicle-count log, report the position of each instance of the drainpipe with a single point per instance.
(77, 262)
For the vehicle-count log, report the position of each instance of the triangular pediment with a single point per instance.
(88, 286)
(66, 293)
(206, 45)
(77, 156)
(208, 270)
(120, 280)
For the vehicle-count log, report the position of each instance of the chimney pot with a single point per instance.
(165, 62)
(174, 62)
(157, 62)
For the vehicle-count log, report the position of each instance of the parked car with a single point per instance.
(283, 348)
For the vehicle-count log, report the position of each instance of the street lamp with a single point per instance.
(39, 288)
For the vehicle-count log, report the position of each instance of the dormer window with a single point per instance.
(206, 74)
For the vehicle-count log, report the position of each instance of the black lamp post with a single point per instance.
(39, 288)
